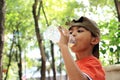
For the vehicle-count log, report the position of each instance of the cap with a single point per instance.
(89, 25)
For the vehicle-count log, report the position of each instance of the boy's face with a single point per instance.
(83, 38)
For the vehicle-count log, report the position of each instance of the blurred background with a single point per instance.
(26, 54)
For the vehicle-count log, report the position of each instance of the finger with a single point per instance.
(66, 32)
(60, 30)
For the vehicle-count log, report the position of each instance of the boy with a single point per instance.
(86, 48)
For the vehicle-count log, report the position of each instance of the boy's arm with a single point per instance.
(73, 71)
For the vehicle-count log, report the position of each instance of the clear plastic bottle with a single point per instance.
(52, 33)
(72, 41)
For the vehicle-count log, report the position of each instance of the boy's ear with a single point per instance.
(95, 40)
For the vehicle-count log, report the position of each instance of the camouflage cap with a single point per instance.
(89, 25)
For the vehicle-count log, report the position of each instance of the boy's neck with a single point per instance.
(82, 55)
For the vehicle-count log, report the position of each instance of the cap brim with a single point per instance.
(79, 25)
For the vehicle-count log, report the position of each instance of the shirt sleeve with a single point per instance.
(89, 78)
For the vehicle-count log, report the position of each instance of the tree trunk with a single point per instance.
(20, 62)
(39, 38)
(2, 20)
(10, 58)
(117, 5)
(19, 53)
(53, 61)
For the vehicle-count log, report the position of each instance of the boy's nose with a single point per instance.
(74, 34)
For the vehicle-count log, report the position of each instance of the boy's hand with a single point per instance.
(64, 37)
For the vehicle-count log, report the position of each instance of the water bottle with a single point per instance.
(52, 33)
(72, 41)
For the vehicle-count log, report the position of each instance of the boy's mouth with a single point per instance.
(72, 41)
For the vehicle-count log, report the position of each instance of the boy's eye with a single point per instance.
(80, 31)
(70, 32)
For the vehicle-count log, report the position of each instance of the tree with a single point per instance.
(15, 23)
(2, 19)
(39, 37)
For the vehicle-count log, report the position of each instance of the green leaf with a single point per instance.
(111, 49)
(103, 51)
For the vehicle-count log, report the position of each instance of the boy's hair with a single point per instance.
(91, 26)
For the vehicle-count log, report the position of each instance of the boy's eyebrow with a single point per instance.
(70, 28)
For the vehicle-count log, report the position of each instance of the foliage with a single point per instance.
(110, 42)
